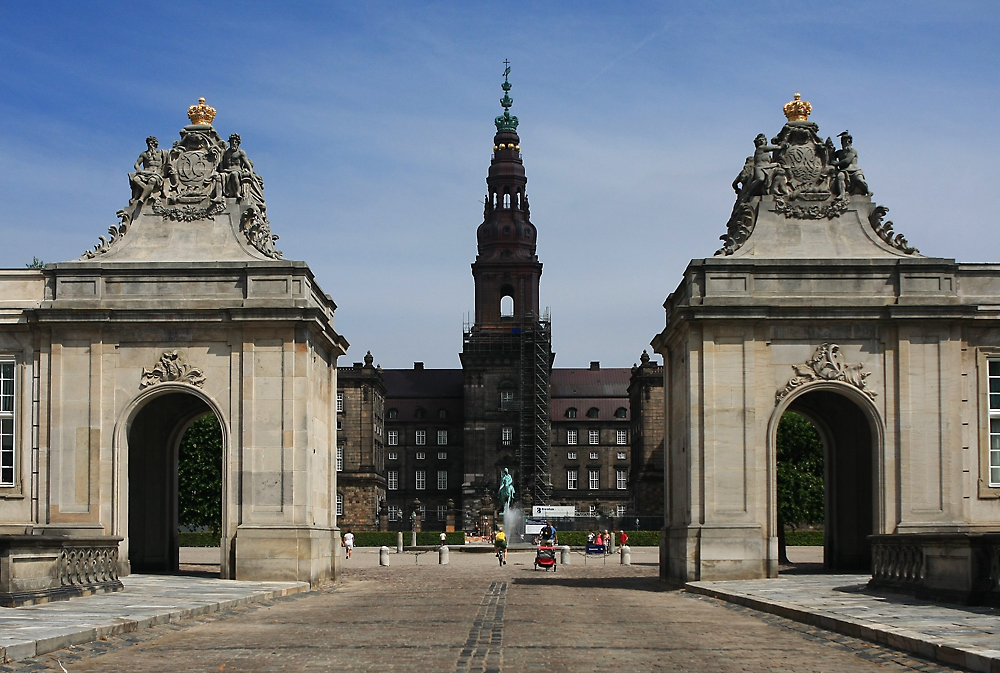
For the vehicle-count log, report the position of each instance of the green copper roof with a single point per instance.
(506, 121)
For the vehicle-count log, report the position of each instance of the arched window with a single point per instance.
(519, 200)
(393, 413)
(494, 199)
(506, 307)
(571, 412)
(420, 413)
(593, 412)
(506, 200)
(621, 412)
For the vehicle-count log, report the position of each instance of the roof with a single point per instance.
(611, 382)
(606, 407)
(423, 383)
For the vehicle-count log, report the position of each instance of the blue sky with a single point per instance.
(372, 126)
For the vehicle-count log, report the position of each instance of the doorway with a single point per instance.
(848, 469)
(154, 447)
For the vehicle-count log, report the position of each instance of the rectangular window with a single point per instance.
(571, 479)
(421, 455)
(340, 402)
(421, 437)
(620, 511)
(393, 455)
(340, 424)
(594, 479)
(507, 400)
(622, 455)
(442, 455)
(594, 455)
(394, 438)
(592, 510)
(994, 383)
(442, 512)
(340, 458)
(571, 455)
(392, 477)
(394, 513)
(423, 512)
(622, 437)
(506, 435)
(340, 505)
(595, 436)
(421, 480)
(442, 480)
(621, 480)
(571, 436)
(442, 438)
(7, 423)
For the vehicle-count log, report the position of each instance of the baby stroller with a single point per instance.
(546, 558)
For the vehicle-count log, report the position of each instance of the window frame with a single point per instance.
(420, 480)
(420, 437)
(340, 457)
(571, 455)
(506, 435)
(572, 480)
(393, 455)
(594, 437)
(442, 480)
(621, 480)
(621, 455)
(621, 437)
(393, 438)
(442, 438)
(9, 454)
(392, 480)
(340, 402)
(420, 455)
(992, 429)
(988, 487)
(395, 512)
(340, 504)
(593, 480)
(572, 437)
(442, 455)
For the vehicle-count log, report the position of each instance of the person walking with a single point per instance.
(349, 542)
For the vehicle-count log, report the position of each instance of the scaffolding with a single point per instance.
(530, 345)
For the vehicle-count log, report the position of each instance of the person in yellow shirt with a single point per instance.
(500, 545)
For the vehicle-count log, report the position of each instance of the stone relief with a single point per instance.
(171, 367)
(827, 364)
(192, 181)
(808, 176)
(884, 231)
(257, 230)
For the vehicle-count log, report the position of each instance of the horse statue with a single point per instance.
(506, 491)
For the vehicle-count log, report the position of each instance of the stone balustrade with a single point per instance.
(42, 568)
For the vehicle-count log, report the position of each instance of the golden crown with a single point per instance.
(797, 110)
(202, 114)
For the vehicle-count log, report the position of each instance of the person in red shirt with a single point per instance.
(623, 539)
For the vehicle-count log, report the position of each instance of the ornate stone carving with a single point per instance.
(809, 177)
(171, 367)
(88, 566)
(740, 227)
(117, 234)
(884, 231)
(827, 364)
(257, 229)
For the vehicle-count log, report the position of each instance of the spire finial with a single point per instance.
(506, 121)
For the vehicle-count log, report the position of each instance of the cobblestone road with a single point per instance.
(474, 616)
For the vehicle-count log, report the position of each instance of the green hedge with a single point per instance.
(206, 539)
(636, 538)
(804, 538)
(370, 538)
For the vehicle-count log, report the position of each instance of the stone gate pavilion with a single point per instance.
(814, 304)
(186, 309)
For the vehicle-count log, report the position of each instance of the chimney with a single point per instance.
(418, 365)
(595, 365)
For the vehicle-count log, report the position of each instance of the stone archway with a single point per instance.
(850, 428)
(151, 438)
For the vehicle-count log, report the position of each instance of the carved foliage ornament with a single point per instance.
(171, 367)
(827, 364)
(884, 231)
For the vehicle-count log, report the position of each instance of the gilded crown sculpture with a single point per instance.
(203, 115)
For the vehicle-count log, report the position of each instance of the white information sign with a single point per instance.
(553, 512)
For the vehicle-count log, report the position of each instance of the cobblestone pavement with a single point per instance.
(472, 615)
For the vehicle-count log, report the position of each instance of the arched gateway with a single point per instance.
(814, 304)
(186, 309)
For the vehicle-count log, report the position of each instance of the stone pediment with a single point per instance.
(799, 196)
(200, 200)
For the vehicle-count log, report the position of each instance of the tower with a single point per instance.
(507, 353)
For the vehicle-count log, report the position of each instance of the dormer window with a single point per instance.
(621, 412)
(593, 412)
(571, 412)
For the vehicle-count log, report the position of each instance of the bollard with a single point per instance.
(399, 542)
(626, 556)
(443, 555)
(564, 555)
(383, 556)
(413, 539)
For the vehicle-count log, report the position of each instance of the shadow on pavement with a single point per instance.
(631, 583)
